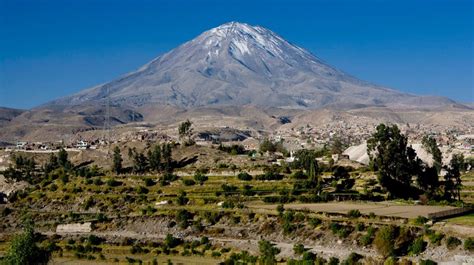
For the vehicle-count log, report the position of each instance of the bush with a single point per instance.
(244, 176)
(269, 176)
(359, 227)
(188, 182)
(113, 183)
(182, 199)
(420, 220)
(354, 213)
(200, 178)
(142, 190)
(384, 241)
(452, 242)
(172, 242)
(299, 175)
(149, 182)
(435, 238)
(417, 246)
(352, 259)
(469, 244)
(333, 261)
(390, 261)
(313, 222)
(298, 249)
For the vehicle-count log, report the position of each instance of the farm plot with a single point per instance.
(380, 209)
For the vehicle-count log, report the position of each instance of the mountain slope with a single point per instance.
(238, 64)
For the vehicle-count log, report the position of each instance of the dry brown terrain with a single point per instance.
(380, 209)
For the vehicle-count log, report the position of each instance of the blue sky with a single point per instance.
(50, 49)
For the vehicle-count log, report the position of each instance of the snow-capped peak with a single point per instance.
(243, 39)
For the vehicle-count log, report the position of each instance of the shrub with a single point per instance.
(435, 238)
(228, 204)
(113, 183)
(333, 261)
(352, 259)
(268, 252)
(200, 178)
(244, 176)
(359, 227)
(469, 244)
(427, 262)
(452, 242)
(142, 190)
(149, 182)
(98, 182)
(420, 220)
(299, 249)
(354, 213)
(417, 246)
(188, 182)
(384, 241)
(269, 176)
(182, 217)
(299, 175)
(313, 221)
(172, 242)
(182, 199)
(247, 190)
(390, 261)
(280, 209)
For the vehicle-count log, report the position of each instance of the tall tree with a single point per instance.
(431, 146)
(395, 162)
(117, 161)
(140, 162)
(63, 159)
(185, 131)
(167, 159)
(453, 182)
(25, 250)
(154, 156)
(337, 146)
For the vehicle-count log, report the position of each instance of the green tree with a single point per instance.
(337, 146)
(25, 250)
(154, 157)
(117, 161)
(431, 146)
(384, 241)
(268, 253)
(185, 131)
(23, 168)
(428, 179)
(452, 179)
(200, 178)
(167, 160)
(140, 162)
(63, 159)
(52, 164)
(395, 162)
(306, 159)
(182, 199)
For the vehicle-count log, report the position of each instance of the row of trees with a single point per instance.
(24, 168)
(157, 159)
(397, 165)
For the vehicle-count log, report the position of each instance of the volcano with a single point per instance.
(237, 64)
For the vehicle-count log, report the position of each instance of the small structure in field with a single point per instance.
(74, 228)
